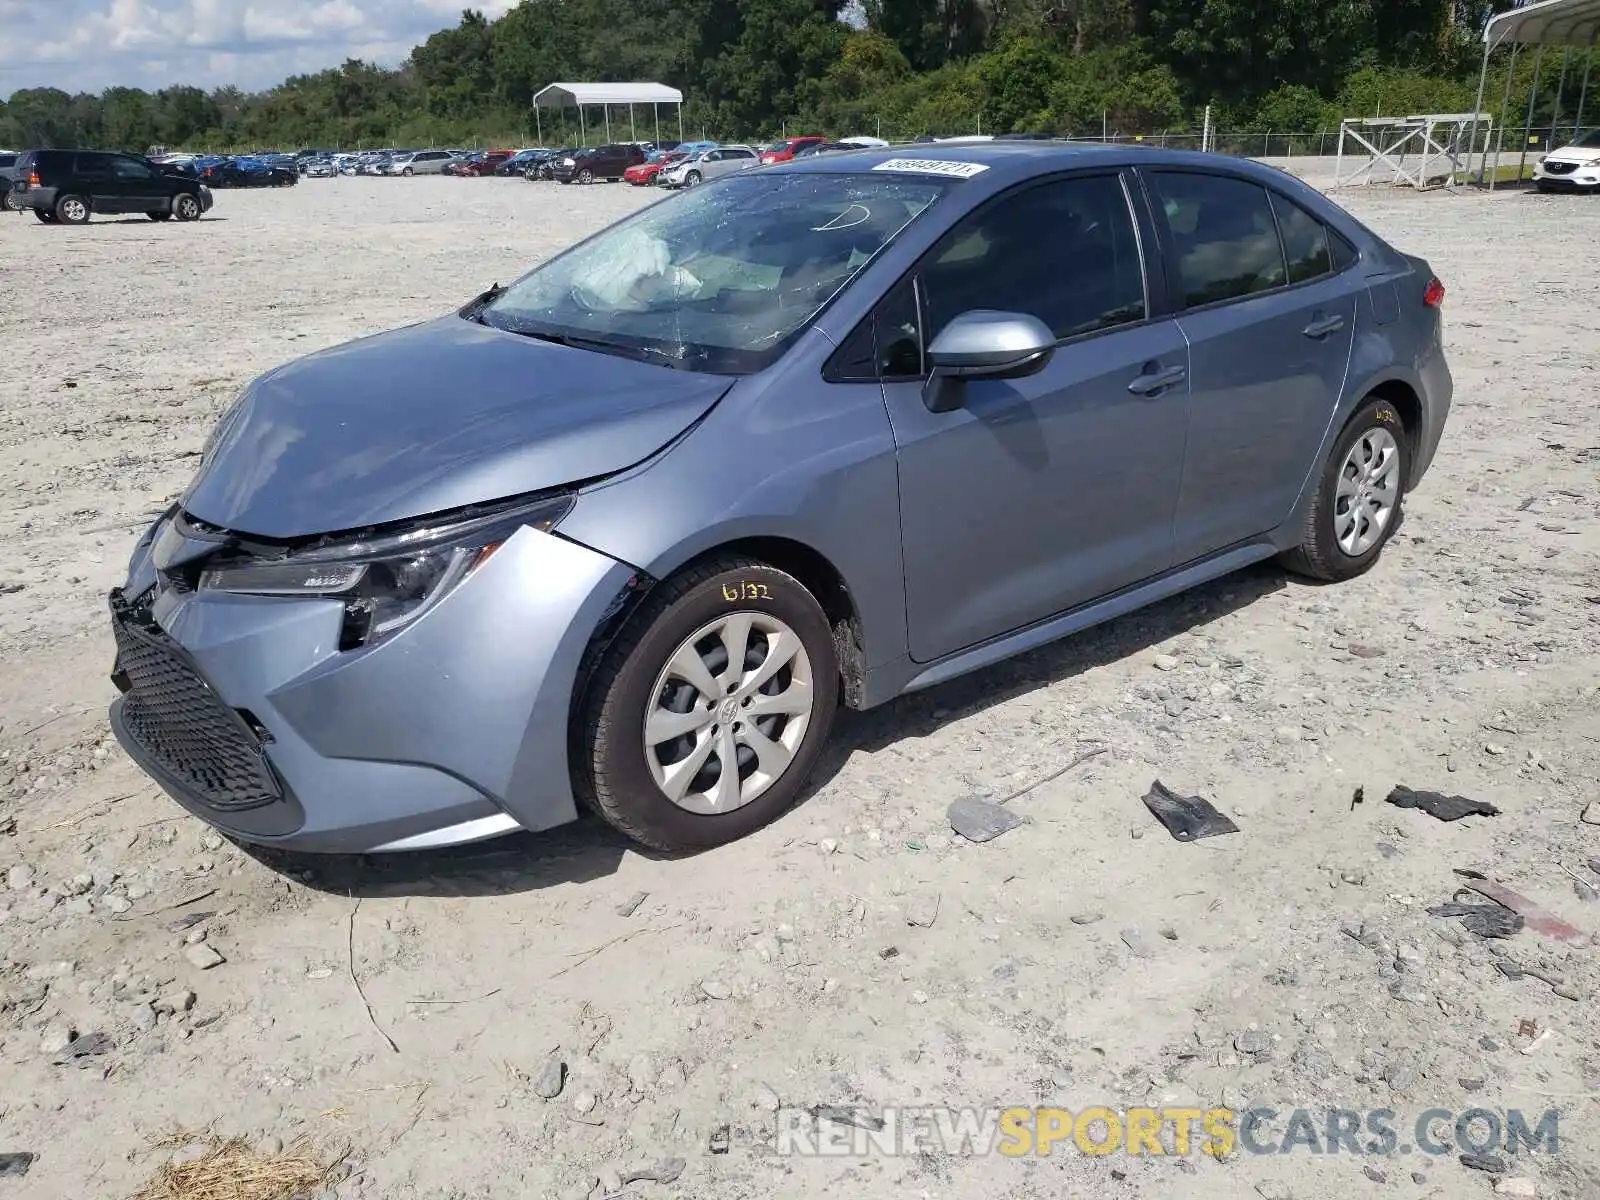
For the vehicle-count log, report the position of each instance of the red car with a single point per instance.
(479, 164)
(784, 151)
(644, 174)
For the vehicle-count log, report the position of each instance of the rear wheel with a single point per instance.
(12, 201)
(704, 719)
(72, 210)
(1359, 497)
(185, 207)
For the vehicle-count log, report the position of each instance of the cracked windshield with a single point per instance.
(721, 279)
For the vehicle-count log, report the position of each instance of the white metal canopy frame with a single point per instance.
(581, 95)
(1564, 23)
(1419, 151)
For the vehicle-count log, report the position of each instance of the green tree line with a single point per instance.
(751, 68)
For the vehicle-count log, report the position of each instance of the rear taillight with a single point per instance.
(1433, 296)
(33, 179)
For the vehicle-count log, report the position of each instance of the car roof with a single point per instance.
(1010, 161)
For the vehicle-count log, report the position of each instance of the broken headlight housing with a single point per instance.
(386, 579)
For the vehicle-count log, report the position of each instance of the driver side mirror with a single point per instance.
(984, 344)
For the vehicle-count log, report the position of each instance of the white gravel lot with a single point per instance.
(853, 953)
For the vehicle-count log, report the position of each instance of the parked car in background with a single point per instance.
(783, 151)
(644, 174)
(520, 161)
(8, 176)
(68, 186)
(816, 148)
(249, 172)
(479, 165)
(319, 168)
(609, 162)
(870, 143)
(418, 162)
(1574, 167)
(708, 164)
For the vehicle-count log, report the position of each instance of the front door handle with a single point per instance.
(1323, 326)
(1158, 380)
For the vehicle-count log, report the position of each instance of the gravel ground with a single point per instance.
(855, 953)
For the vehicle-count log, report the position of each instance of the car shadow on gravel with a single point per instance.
(589, 849)
(922, 714)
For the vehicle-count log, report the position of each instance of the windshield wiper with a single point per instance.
(473, 309)
(637, 353)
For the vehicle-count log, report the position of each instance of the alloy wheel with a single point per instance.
(1368, 490)
(728, 712)
(74, 210)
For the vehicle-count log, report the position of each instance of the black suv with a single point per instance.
(66, 186)
(602, 162)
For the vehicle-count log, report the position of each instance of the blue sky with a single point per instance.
(87, 45)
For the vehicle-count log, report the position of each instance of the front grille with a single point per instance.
(184, 726)
(1559, 168)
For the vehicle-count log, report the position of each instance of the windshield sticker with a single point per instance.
(933, 166)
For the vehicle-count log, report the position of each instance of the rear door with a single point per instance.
(92, 175)
(1037, 494)
(1269, 343)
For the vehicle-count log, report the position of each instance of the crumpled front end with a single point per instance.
(254, 714)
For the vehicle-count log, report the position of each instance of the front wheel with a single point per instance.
(693, 179)
(586, 176)
(186, 207)
(408, 172)
(1359, 496)
(705, 717)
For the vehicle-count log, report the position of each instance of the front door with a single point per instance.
(92, 174)
(1270, 326)
(140, 189)
(1038, 494)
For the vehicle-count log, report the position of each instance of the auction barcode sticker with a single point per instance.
(933, 166)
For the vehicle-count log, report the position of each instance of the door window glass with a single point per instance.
(1065, 252)
(1223, 234)
(1305, 241)
(93, 166)
(127, 170)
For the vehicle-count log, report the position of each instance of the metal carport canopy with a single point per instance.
(557, 95)
(1546, 23)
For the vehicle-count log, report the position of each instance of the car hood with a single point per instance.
(429, 418)
(1574, 154)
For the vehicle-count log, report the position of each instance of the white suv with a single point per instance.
(1573, 168)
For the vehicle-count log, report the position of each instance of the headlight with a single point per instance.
(568, 162)
(389, 580)
(1593, 162)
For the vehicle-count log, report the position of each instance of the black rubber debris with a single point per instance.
(1187, 818)
(1437, 804)
(1484, 1162)
(15, 1166)
(1485, 920)
(979, 820)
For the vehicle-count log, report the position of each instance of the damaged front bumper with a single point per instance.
(247, 712)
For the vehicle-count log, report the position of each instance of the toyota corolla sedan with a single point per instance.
(627, 532)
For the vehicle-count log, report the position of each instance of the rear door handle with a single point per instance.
(1158, 381)
(1322, 327)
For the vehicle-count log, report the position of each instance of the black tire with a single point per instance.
(609, 766)
(586, 176)
(693, 179)
(47, 218)
(72, 210)
(155, 216)
(13, 202)
(186, 207)
(408, 172)
(1319, 554)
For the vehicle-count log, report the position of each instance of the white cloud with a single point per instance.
(88, 45)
